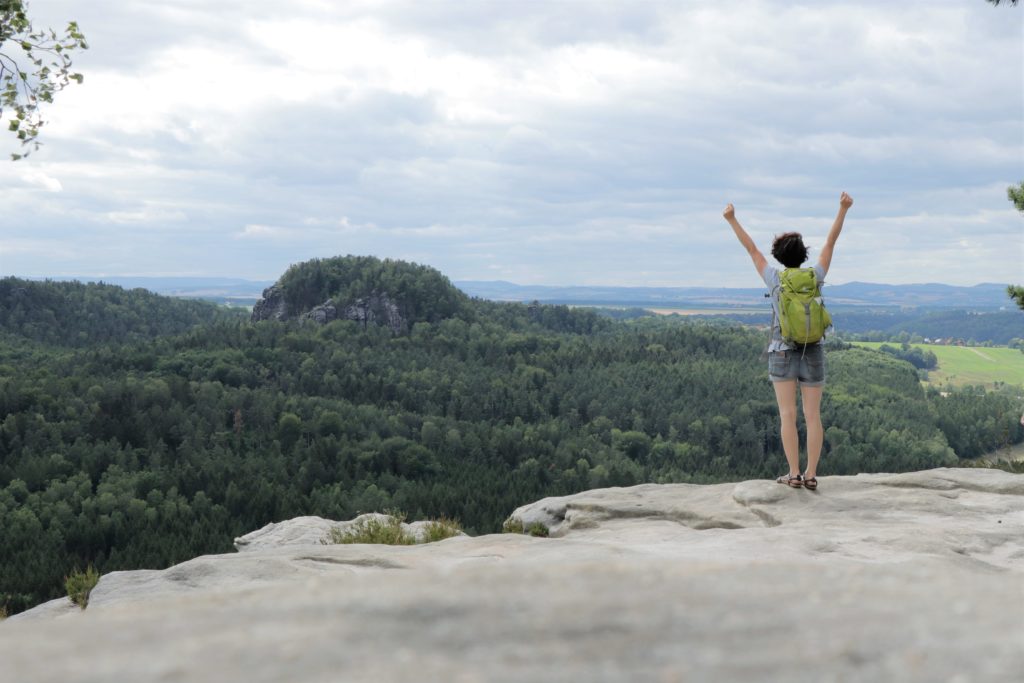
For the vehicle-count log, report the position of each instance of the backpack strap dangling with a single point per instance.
(771, 328)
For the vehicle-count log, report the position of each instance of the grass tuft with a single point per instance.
(537, 529)
(515, 526)
(80, 584)
(387, 531)
(440, 529)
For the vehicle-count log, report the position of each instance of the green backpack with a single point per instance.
(802, 314)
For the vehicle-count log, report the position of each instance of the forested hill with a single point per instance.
(363, 287)
(156, 451)
(74, 314)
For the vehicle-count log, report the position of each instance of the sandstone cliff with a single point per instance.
(377, 308)
(909, 577)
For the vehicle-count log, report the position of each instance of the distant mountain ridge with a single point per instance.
(987, 295)
(930, 295)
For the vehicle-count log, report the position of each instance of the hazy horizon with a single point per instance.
(456, 281)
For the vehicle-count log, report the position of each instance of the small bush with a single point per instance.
(440, 529)
(80, 584)
(3, 612)
(388, 531)
(513, 526)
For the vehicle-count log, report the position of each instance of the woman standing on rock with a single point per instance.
(789, 364)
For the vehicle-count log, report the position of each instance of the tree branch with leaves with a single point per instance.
(1015, 193)
(34, 66)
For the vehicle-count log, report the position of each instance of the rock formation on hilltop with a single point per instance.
(375, 309)
(908, 577)
(367, 290)
(272, 306)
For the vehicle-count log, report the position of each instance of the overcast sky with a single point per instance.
(536, 142)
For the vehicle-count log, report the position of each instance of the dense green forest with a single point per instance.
(165, 447)
(79, 315)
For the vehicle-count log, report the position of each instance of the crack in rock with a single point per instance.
(378, 562)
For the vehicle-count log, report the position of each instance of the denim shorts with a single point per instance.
(806, 365)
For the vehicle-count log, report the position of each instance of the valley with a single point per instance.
(140, 430)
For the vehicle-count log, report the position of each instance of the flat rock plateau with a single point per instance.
(875, 577)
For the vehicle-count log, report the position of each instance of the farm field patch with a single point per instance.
(963, 365)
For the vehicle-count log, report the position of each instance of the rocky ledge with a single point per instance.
(909, 577)
(376, 309)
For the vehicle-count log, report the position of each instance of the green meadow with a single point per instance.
(963, 365)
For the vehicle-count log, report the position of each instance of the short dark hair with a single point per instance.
(789, 250)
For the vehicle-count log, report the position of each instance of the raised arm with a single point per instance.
(744, 238)
(825, 260)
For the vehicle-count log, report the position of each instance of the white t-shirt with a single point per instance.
(771, 279)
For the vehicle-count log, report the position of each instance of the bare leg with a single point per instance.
(811, 398)
(785, 394)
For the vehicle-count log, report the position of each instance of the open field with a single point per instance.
(962, 365)
(1014, 453)
(704, 311)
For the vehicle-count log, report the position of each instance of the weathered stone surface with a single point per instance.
(960, 515)
(298, 531)
(378, 308)
(322, 314)
(272, 306)
(910, 577)
(312, 530)
(54, 609)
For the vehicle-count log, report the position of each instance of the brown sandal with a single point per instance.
(811, 483)
(794, 481)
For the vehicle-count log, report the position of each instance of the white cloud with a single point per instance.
(148, 214)
(264, 232)
(38, 178)
(551, 142)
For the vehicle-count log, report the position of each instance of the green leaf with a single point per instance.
(13, 125)
(77, 77)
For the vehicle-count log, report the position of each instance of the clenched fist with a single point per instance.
(845, 201)
(730, 212)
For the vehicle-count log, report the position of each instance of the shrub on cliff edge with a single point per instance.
(80, 584)
(389, 531)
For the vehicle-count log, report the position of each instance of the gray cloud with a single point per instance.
(540, 142)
